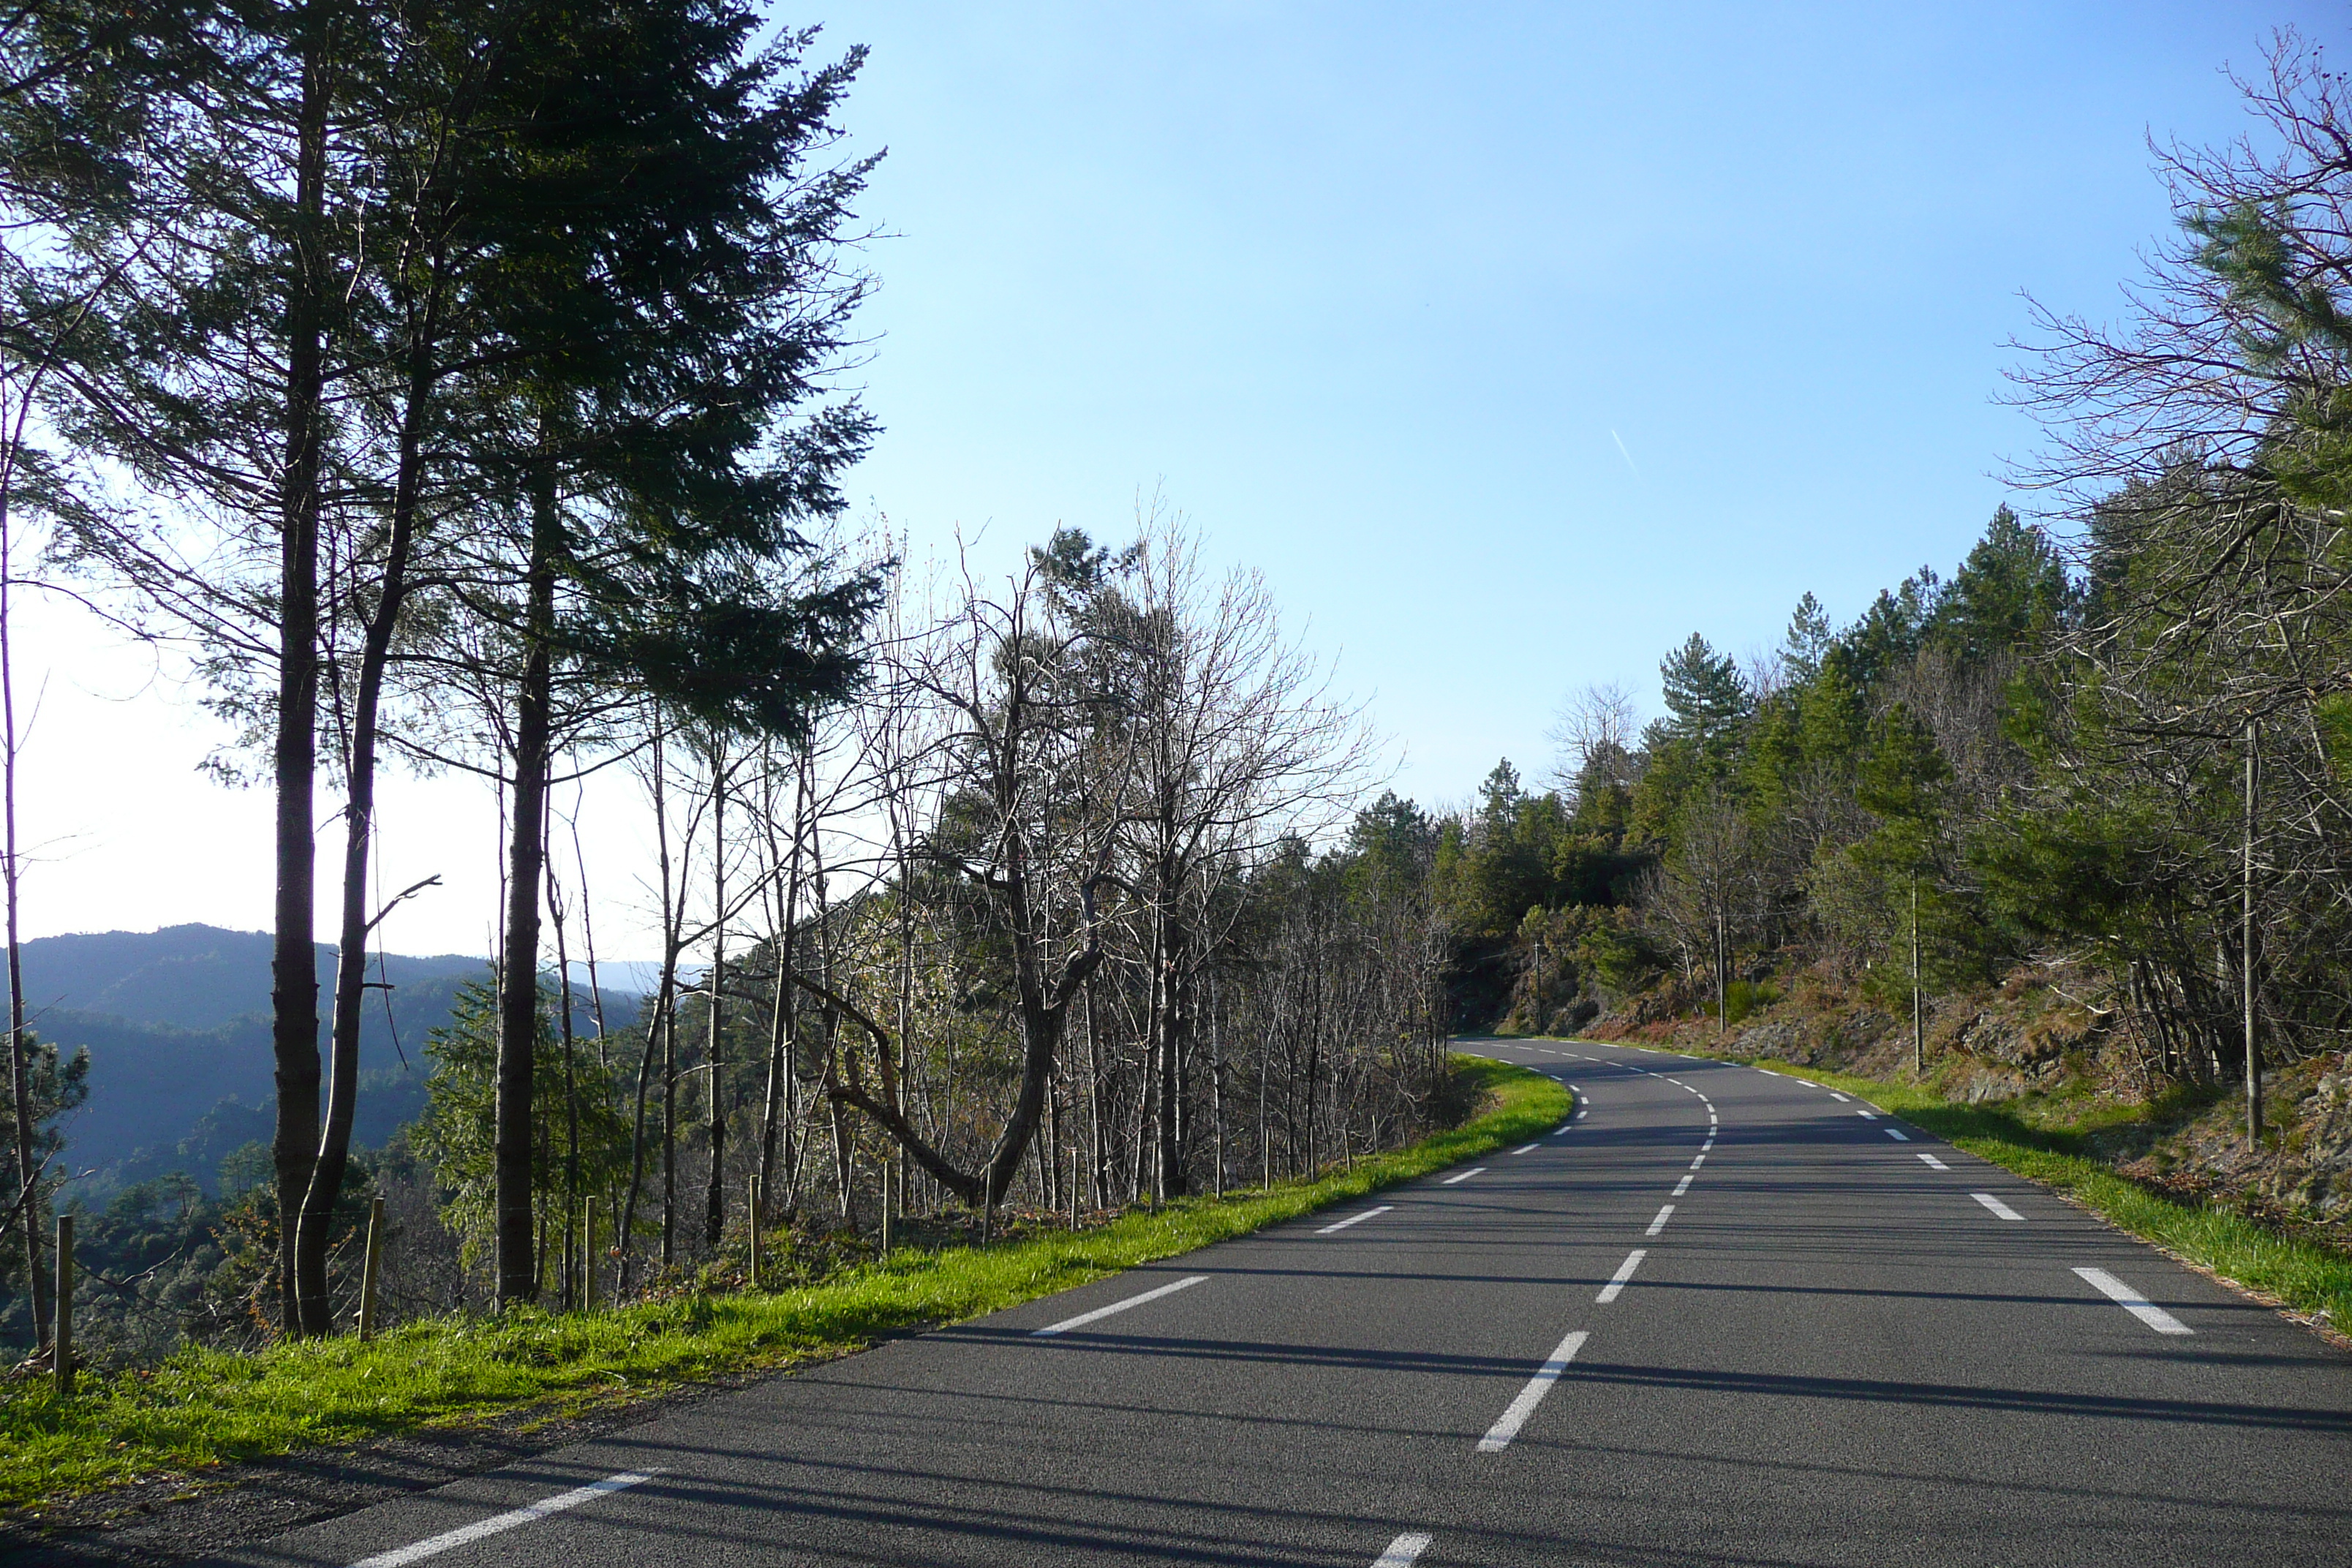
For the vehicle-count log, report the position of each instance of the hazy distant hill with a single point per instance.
(177, 1025)
(184, 978)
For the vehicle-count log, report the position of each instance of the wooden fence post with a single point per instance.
(61, 1337)
(588, 1255)
(753, 1219)
(374, 1260)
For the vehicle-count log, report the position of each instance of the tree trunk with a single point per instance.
(518, 1271)
(326, 1183)
(714, 1205)
(20, 1088)
(294, 966)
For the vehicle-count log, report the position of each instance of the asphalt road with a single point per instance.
(1837, 1345)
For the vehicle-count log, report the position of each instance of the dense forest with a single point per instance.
(468, 389)
(2107, 761)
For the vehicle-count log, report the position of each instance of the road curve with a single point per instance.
(1723, 1317)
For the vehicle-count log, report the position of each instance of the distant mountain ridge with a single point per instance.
(176, 1022)
(193, 977)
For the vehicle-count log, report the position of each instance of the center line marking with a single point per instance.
(1463, 1177)
(1659, 1224)
(1355, 1219)
(1898, 1135)
(1867, 1115)
(1083, 1318)
(1842, 1099)
(1934, 1164)
(1698, 1163)
(1616, 1285)
(1403, 1551)
(1999, 1208)
(433, 1546)
(1684, 1185)
(1525, 1149)
(2132, 1302)
(1498, 1436)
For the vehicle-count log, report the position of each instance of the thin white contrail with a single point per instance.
(1627, 455)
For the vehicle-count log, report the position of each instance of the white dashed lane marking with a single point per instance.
(1355, 1219)
(1898, 1135)
(1498, 1436)
(1083, 1318)
(1464, 1176)
(1934, 1164)
(433, 1546)
(2132, 1302)
(1659, 1224)
(1999, 1209)
(1616, 1285)
(1403, 1552)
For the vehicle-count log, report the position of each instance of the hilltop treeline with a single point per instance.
(2129, 759)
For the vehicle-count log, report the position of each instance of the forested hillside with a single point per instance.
(176, 1022)
(2077, 813)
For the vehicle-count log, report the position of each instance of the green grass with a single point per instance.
(2303, 1275)
(203, 1406)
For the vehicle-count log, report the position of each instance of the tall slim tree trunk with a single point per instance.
(518, 1269)
(781, 1014)
(571, 1079)
(294, 964)
(669, 1136)
(20, 1086)
(714, 1198)
(663, 995)
(333, 1157)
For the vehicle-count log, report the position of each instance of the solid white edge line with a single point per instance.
(1999, 1208)
(1464, 1176)
(1898, 1135)
(1610, 1291)
(1934, 1164)
(1659, 1224)
(1403, 1551)
(2132, 1302)
(1083, 1318)
(434, 1546)
(1498, 1436)
(1355, 1219)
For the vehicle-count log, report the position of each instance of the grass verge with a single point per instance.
(2310, 1280)
(205, 1407)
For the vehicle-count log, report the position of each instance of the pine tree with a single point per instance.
(1705, 694)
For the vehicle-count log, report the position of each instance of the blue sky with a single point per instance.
(1366, 289)
(1373, 294)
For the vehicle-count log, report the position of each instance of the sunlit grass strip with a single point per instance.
(205, 1407)
(2305, 1276)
